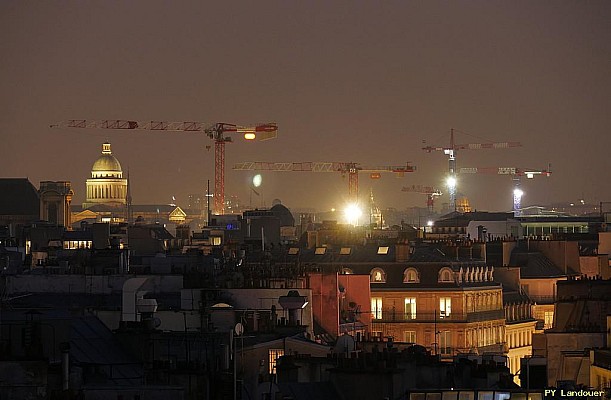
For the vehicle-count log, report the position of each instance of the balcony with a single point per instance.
(394, 316)
(485, 315)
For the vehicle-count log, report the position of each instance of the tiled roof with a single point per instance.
(91, 342)
(358, 254)
(463, 219)
(514, 297)
(536, 265)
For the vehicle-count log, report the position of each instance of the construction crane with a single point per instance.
(430, 192)
(451, 152)
(218, 132)
(516, 175)
(345, 168)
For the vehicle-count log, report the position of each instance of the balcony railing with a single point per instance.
(485, 315)
(395, 316)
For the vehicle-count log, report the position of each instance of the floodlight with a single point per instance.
(353, 213)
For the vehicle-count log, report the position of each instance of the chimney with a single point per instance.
(402, 252)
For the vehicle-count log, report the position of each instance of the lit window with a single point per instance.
(548, 320)
(445, 307)
(216, 240)
(376, 307)
(410, 276)
(409, 336)
(320, 250)
(293, 251)
(347, 271)
(445, 342)
(410, 308)
(378, 275)
(383, 250)
(273, 356)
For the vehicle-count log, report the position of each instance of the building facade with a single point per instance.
(446, 309)
(106, 185)
(55, 201)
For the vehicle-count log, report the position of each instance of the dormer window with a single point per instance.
(445, 275)
(411, 276)
(378, 275)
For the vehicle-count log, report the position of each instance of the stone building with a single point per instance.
(106, 185)
(55, 202)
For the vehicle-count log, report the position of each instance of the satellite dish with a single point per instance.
(157, 322)
(239, 329)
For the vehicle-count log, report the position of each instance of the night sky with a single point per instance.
(346, 81)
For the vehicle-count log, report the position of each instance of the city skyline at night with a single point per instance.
(367, 83)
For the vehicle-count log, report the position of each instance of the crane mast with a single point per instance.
(218, 132)
(451, 152)
(429, 191)
(516, 176)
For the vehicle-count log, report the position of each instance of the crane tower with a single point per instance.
(430, 192)
(516, 175)
(451, 153)
(219, 132)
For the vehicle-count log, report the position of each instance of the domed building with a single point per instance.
(109, 200)
(106, 185)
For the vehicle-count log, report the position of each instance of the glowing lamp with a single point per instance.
(250, 136)
(352, 214)
(451, 182)
(257, 180)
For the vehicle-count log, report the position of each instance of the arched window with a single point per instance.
(347, 271)
(378, 275)
(445, 275)
(410, 275)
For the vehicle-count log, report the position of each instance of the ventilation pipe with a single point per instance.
(294, 303)
(134, 305)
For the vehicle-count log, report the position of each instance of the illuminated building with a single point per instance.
(108, 198)
(106, 185)
(442, 297)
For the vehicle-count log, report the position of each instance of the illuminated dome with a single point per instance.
(106, 165)
(106, 185)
